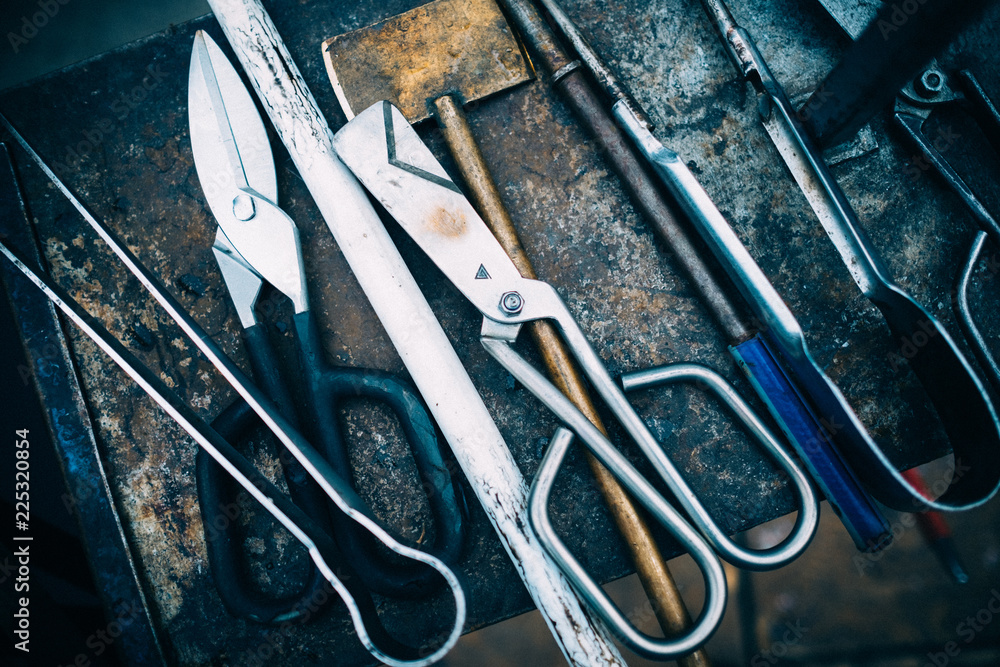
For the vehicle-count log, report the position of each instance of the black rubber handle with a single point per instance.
(218, 498)
(353, 584)
(327, 387)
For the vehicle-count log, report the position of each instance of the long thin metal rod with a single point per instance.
(604, 75)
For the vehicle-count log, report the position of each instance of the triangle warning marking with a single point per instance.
(482, 273)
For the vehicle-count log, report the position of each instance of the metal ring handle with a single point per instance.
(709, 380)
(589, 590)
(972, 334)
(641, 490)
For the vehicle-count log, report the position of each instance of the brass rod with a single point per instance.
(656, 579)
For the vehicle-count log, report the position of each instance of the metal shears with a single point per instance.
(257, 242)
(322, 550)
(388, 157)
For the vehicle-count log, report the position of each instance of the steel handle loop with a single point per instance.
(541, 299)
(638, 641)
(641, 490)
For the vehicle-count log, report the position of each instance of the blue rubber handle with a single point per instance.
(812, 440)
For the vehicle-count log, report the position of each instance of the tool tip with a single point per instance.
(944, 548)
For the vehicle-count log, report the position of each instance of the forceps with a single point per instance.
(388, 157)
(321, 548)
(257, 242)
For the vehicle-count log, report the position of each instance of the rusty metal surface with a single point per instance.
(460, 47)
(116, 128)
(88, 500)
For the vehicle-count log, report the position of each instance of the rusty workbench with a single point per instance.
(115, 128)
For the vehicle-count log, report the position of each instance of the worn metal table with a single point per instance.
(115, 128)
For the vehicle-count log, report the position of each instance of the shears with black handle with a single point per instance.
(257, 242)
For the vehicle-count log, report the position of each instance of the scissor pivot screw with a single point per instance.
(511, 303)
(243, 207)
(930, 83)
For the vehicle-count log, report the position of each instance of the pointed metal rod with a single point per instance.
(338, 490)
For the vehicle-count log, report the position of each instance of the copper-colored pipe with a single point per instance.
(650, 565)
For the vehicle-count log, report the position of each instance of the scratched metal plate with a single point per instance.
(116, 127)
(446, 47)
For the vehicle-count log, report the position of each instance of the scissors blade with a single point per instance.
(235, 166)
(230, 144)
(241, 280)
(388, 157)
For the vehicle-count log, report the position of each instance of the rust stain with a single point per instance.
(447, 223)
(440, 48)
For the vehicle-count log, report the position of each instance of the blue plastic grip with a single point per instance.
(811, 439)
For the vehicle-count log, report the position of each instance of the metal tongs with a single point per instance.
(388, 157)
(321, 548)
